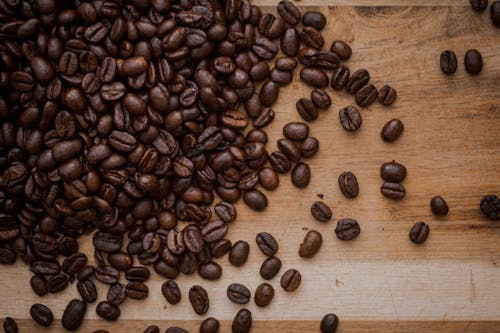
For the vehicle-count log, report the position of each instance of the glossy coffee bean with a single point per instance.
(311, 244)
(290, 280)
(268, 178)
(321, 212)
(309, 147)
(357, 81)
(366, 95)
(238, 254)
(87, 290)
(495, 13)
(321, 99)
(312, 37)
(10, 325)
(392, 130)
(314, 19)
(73, 315)
(350, 118)
(439, 207)
(387, 95)
(419, 232)
(290, 42)
(342, 49)
(255, 199)
(306, 109)
(41, 314)
(39, 285)
(137, 290)
(266, 243)
(270, 267)
(490, 206)
(117, 294)
(238, 293)
(329, 323)
(314, 77)
(290, 149)
(301, 175)
(393, 172)
(108, 311)
(289, 12)
(347, 229)
(348, 184)
(242, 322)
(448, 62)
(479, 5)
(198, 298)
(473, 61)
(393, 190)
(264, 294)
(171, 292)
(340, 77)
(210, 325)
(210, 271)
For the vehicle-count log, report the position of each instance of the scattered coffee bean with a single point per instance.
(347, 229)
(306, 109)
(117, 294)
(366, 95)
(290, 280)
(448, 62)
(350, 118)
(321, 212)
(242, 322)
(41, 314)
(198, 298)
(309, 147)
(311, 244)
(393, 172)
(314, 19)
(209, 325)
(357, 81)
(238, 293)
(301, 175)
(270, 267)
(490, 206)
(210, 271)
(387, 95)
(348, 184)
(266, 243)
(340, 77)
(87, 290)
(329, 323)
(342, 49)
(439, 206)
(296, 131)
(239, 253)
(419, 233)
(73, 315)
(479, 5)
(264, 294)
(10, 325)
(321, 99)
(473, 62)
(392, 130)
(393, 190)
(171, 292)
(314, 77)
(255, 199)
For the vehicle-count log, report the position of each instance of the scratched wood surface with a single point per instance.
(380, 282)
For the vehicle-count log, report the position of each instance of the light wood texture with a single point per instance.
(380, 282)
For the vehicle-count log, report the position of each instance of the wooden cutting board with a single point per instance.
(380, 282)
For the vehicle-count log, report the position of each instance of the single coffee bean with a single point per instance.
(290, 149)
(393, 172)
(321, 212)
(289, 12)
(314, 77)
(210, 271)
(419, 232)
(473, 62)
(209, 325)
(439, 206)
(479, 5)
(265, 48)
(264, 294)
(306, 109)
(152, 329)
(312, 37)
(214, 231)
(287, 64)
(238, 293)
(270, 267)
(342, 49)
(301, 175)
(107, 274)
(490, 206)
(448, 62)
(281, 77)
(225, 211)
(279, 162)
(108, 311)
(329, 323)
(314, 19)
(10, 325)
(387, 95)
(268, 178)
(39, 285)
(171, 292)
(269, 93)
(392, 130)
(309, 147)
(311, 244)
(393, 190)
(239, 253)
(266, 243)
(138, 274)
(220, 248)
(41, 315)
(290, 280)
(348, 184)
(321, 99)
(347, 229)
(340, 77)
(242, 322)
(290, 42)
(366, 95)
(198, 298)
(87, 290)
(73, 314)
(350, 118)
(117, 294)
(495, 13)
(193, 239)
(357, 81)
(255, 199)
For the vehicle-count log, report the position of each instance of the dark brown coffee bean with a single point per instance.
(329, 323)
(57, 283)
(357, 81)
(306, 109)
(87, 290)
(266, 243)
(193, 239)
(225, 211)
(296, 131)
(270, 267)
(171, 292)
(41, 315)
(439, 207)
(342, 49)
(393, 190)
(268, 178)
(137, 274)
(348, 184)
(271, 26)
(281, 77)
(198, 298)
(108, 311)
(314, 19)
(490, 206)
(239, 253)
(264, 294)
(242, 322)
(39, 285)
(106, 242)
(134, 66)
(42, 69)
(269, 93)
(387, 95)
(74, 263)
(265, 48)
(220, 248)
(151, 329)
(210, 271)
(73, 314)
(265, 118)
(448, 62)
(311, 244)
(290, 280)
(117, 294)
(312, 37)
(238, 293)
(10, 325)
(137, 290)
(113, 91)
(419, 232)
(366, 95)
(209, 325)
(321, 99)
(321, 212)
(309, 147)
(301, 175)
(255, 199)
(350, 118)
(347, 229)
(479, 5)
(290, 42)
(45, 267)
(393, 172)
(175, 329)
(340, 77)
(289, 12)
(107, 274)
(96, 32)
(495, 13)
(473, 61)
(392, 130)
(314, 77)
(289, 148)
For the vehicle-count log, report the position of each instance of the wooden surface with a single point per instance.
(380, 282)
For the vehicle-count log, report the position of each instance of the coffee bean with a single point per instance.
(473, 62)
(239, 253)
(134, 66)
(57, 283)
(366, 95)
(439, 206)
(39, 285)
(214, 231)
(265, 48)
(73, 315)
(321, 212)
(108, 311)
(479, 5)
(289, 148)
(264, 294)
(357, 81)
(312, 37)
(137, 274)
(289, 12)
(321, 99)
(107, 274)
(342, 49)
(393, 190)
(290, 280)
(392, 130)
(350, 118)
(314, 77)
(393, 172)
(220, 248)
(255, 199)
(314, 19)
(171, 292)
(113, 91)
(311, 244)
(238, 293)
(266, 243)
(329, 323)
(281, 77)
(306, 109)
(10, 325)
(270, 267)
(340, 77)
(301, 175)
(347, 229)
(137, 290)
(87, 290)
(290, 42)
(279, 162)
(269, 93)
(209, 325)
(419, 232)
(41, 314)
(309, 147)
(198, 298)
(74, 263)
(490, 206)
(495, 13)
(152, 329)
(242, 322)
(348, 184)
(210, 271)
(117, 294)
(448, 62)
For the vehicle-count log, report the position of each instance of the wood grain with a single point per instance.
(380, 282)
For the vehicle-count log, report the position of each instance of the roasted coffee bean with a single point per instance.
(171, 292)
(209, 325)
(264, 294)
(134, 66)
(269, 93)
(255, 199)
(392, 130)
(242, 322)
(473, 62)
(193, 239)
(314, 77)
(329, 323)
(10, 325)
(495, 13)
(357, 81)
(41, 315)
(45, 267)
(137, 290)
(107, 274)
(270, 267)
(290, 149)
(265, 48)
(87, 290)
(314, 19)
(439, 207)
(214, 231)
(220, 248)
(290, 280)
(73, 314)
(306, 109)
(281, 77)
(225, 211)
(296, 131)
(271, 26)
(117, 294)
(289, 12)
(350, 118)
(311, 244)
(279, 162)
(448, 62)
(342, 49)
(238, 293)
(238, 254)
(266, 243)
(490, 206)
(419, 232)
(340, 77)
(348, 184)
(137, 274)
(268, 178)
(366, 95)
(309, 147)
(301, 175)
(321, 212)
(152, 329)
(175, 329)
(198, 298)
(387, 95)
(393, 190)
(312, 37)
(106, 242)
(74, 263)
(393, 172)
(290, 42)
(108, 311)
(39, 285)
(347, 229)
(210, 271)
(321, 99)
(57, 283)
(479, 5)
